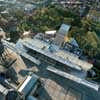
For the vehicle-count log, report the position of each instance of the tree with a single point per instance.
(86, 24)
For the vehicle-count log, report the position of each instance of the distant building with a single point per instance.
(69, 3)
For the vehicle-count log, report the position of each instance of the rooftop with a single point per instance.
(28, 84)
(66, 80)
(54, 52)
(55, 86)
(64, 29)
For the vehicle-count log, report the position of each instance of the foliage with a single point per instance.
(87, 37)
(48, 18)
(84, 30)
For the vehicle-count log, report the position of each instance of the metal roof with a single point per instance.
(62, 56)
(64, 29)
(46, 51)
(28, 85)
